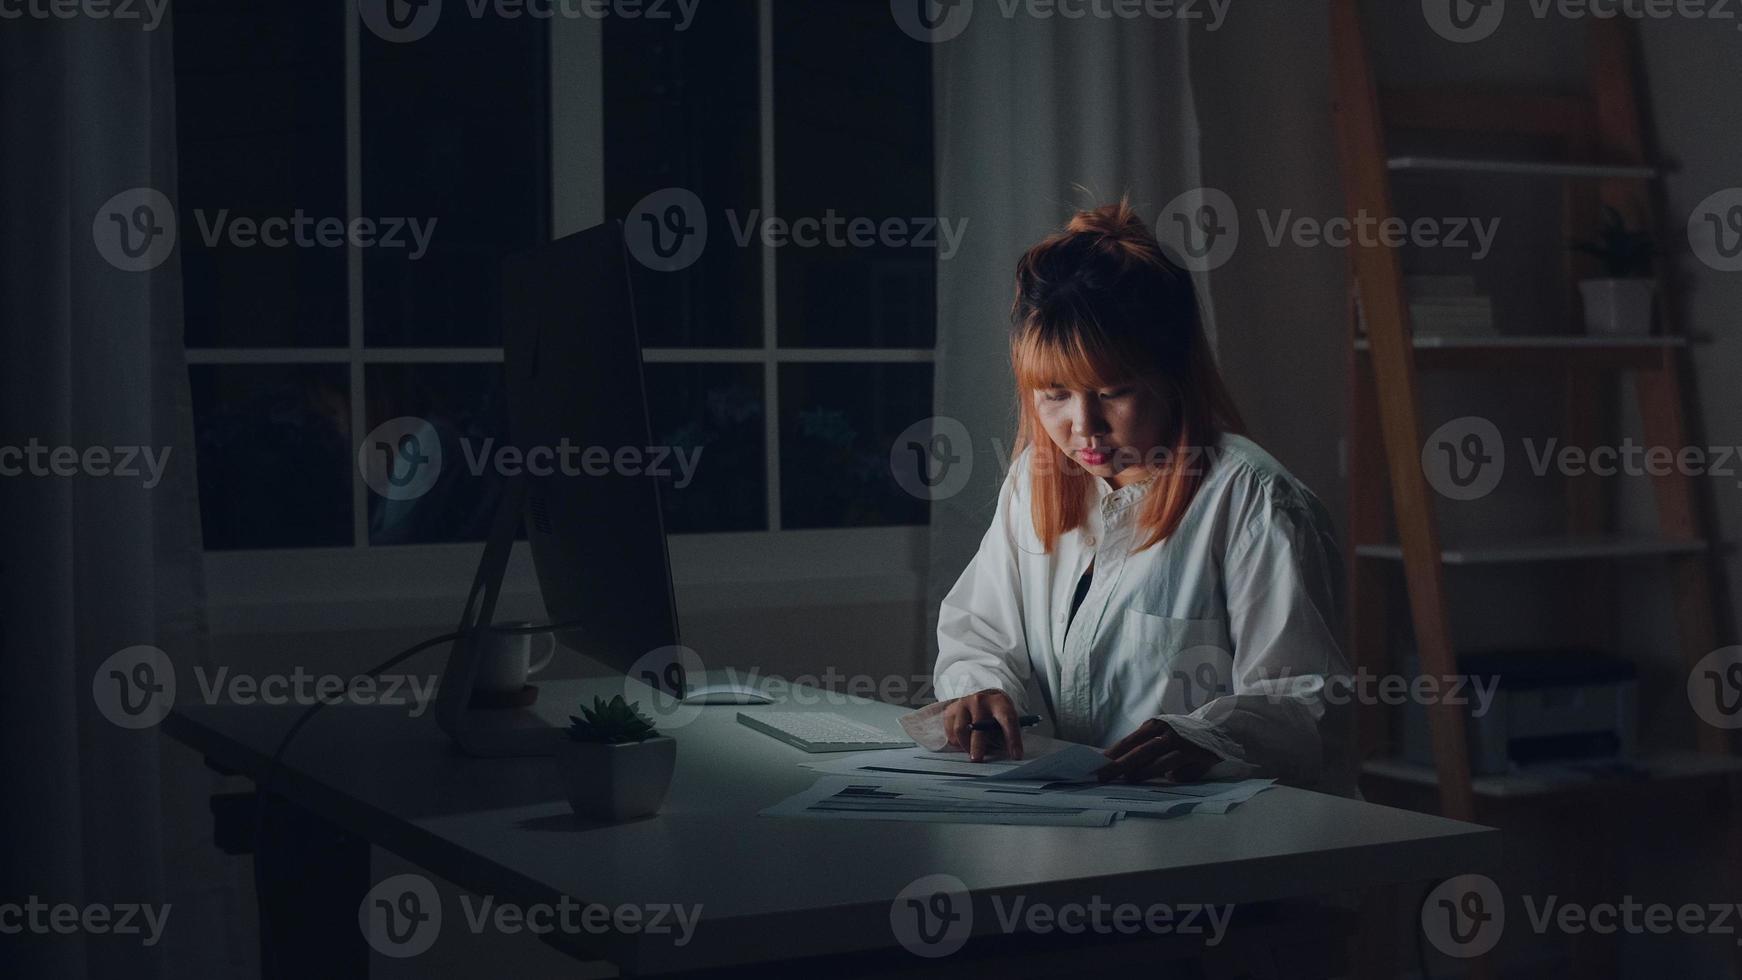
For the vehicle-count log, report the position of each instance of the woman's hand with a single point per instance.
(1155, 749)
(988, 705)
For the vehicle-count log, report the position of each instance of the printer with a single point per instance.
(1548, 706)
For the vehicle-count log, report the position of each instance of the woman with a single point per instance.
(1153, 583)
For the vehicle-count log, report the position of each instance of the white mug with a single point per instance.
(505, 659)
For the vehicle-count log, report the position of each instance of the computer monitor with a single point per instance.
(576, 399)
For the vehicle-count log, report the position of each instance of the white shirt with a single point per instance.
(1227, 630)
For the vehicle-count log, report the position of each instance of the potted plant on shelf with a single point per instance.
(615, 764)
(1620, 304)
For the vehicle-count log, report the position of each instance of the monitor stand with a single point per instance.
(490, 732)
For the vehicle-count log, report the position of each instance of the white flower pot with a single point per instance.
(1618, 307)
(616, 782)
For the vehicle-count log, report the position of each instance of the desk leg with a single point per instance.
(1375, 954)
(310, 878)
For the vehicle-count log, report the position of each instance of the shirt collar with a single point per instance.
(1111, 500)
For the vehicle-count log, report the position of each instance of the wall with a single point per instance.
(1699, 128)
(1263, 92)
(1263, 88)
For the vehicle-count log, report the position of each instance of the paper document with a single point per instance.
(914, 761)
(1056, 786)
(894, 763)
(1072, 763)
(845, 798)
(1163, 800)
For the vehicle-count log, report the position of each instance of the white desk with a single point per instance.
(775, 889)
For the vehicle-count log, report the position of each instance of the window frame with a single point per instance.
(367, 586)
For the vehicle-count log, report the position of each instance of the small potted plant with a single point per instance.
(1620, 304)
(615, 764)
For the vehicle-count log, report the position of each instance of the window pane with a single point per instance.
(464, 408)
(837, 424)
(681, 111)
(455, 129)
(274, 455)
(853, 136)
(260, 111)
(711, 415)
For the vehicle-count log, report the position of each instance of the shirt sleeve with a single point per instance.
(1283, 580)
(981, 640)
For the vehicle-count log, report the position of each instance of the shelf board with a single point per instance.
(1521, 550)
(1545, 341)
(1521, 168)
(1543, 351)
(1541, 781)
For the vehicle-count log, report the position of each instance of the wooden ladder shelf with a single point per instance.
(1605, 163)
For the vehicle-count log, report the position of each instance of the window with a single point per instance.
(794, 366)
(398, 175)
(791, 369)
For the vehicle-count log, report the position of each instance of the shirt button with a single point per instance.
(1090, 540)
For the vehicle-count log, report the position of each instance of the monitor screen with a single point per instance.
(578, 415)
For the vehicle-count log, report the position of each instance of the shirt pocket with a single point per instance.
(1178, 665)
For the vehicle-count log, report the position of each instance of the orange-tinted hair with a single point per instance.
(1097, 305)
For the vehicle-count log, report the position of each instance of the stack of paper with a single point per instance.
(847, 798)
(1452, 316)
(1448, 306)
(1056, 787)
(1422, 286)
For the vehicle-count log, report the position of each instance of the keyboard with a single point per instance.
(823, 731)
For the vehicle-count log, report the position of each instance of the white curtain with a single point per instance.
(91, 356)
(1036, 118)
(1267, 140)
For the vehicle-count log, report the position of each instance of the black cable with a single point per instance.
(263, 785)
(1420, 943)
(373, 672)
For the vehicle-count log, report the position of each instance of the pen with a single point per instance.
(1026, 721)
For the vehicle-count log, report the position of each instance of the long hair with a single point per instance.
(1098, 304)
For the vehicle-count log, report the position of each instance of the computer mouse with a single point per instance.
(726, 694)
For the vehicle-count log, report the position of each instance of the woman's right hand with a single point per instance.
(988, 705)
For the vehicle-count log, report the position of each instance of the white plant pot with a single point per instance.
(616, 782)
(1618, 307)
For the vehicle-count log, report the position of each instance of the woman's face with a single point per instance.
(1115, 433)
